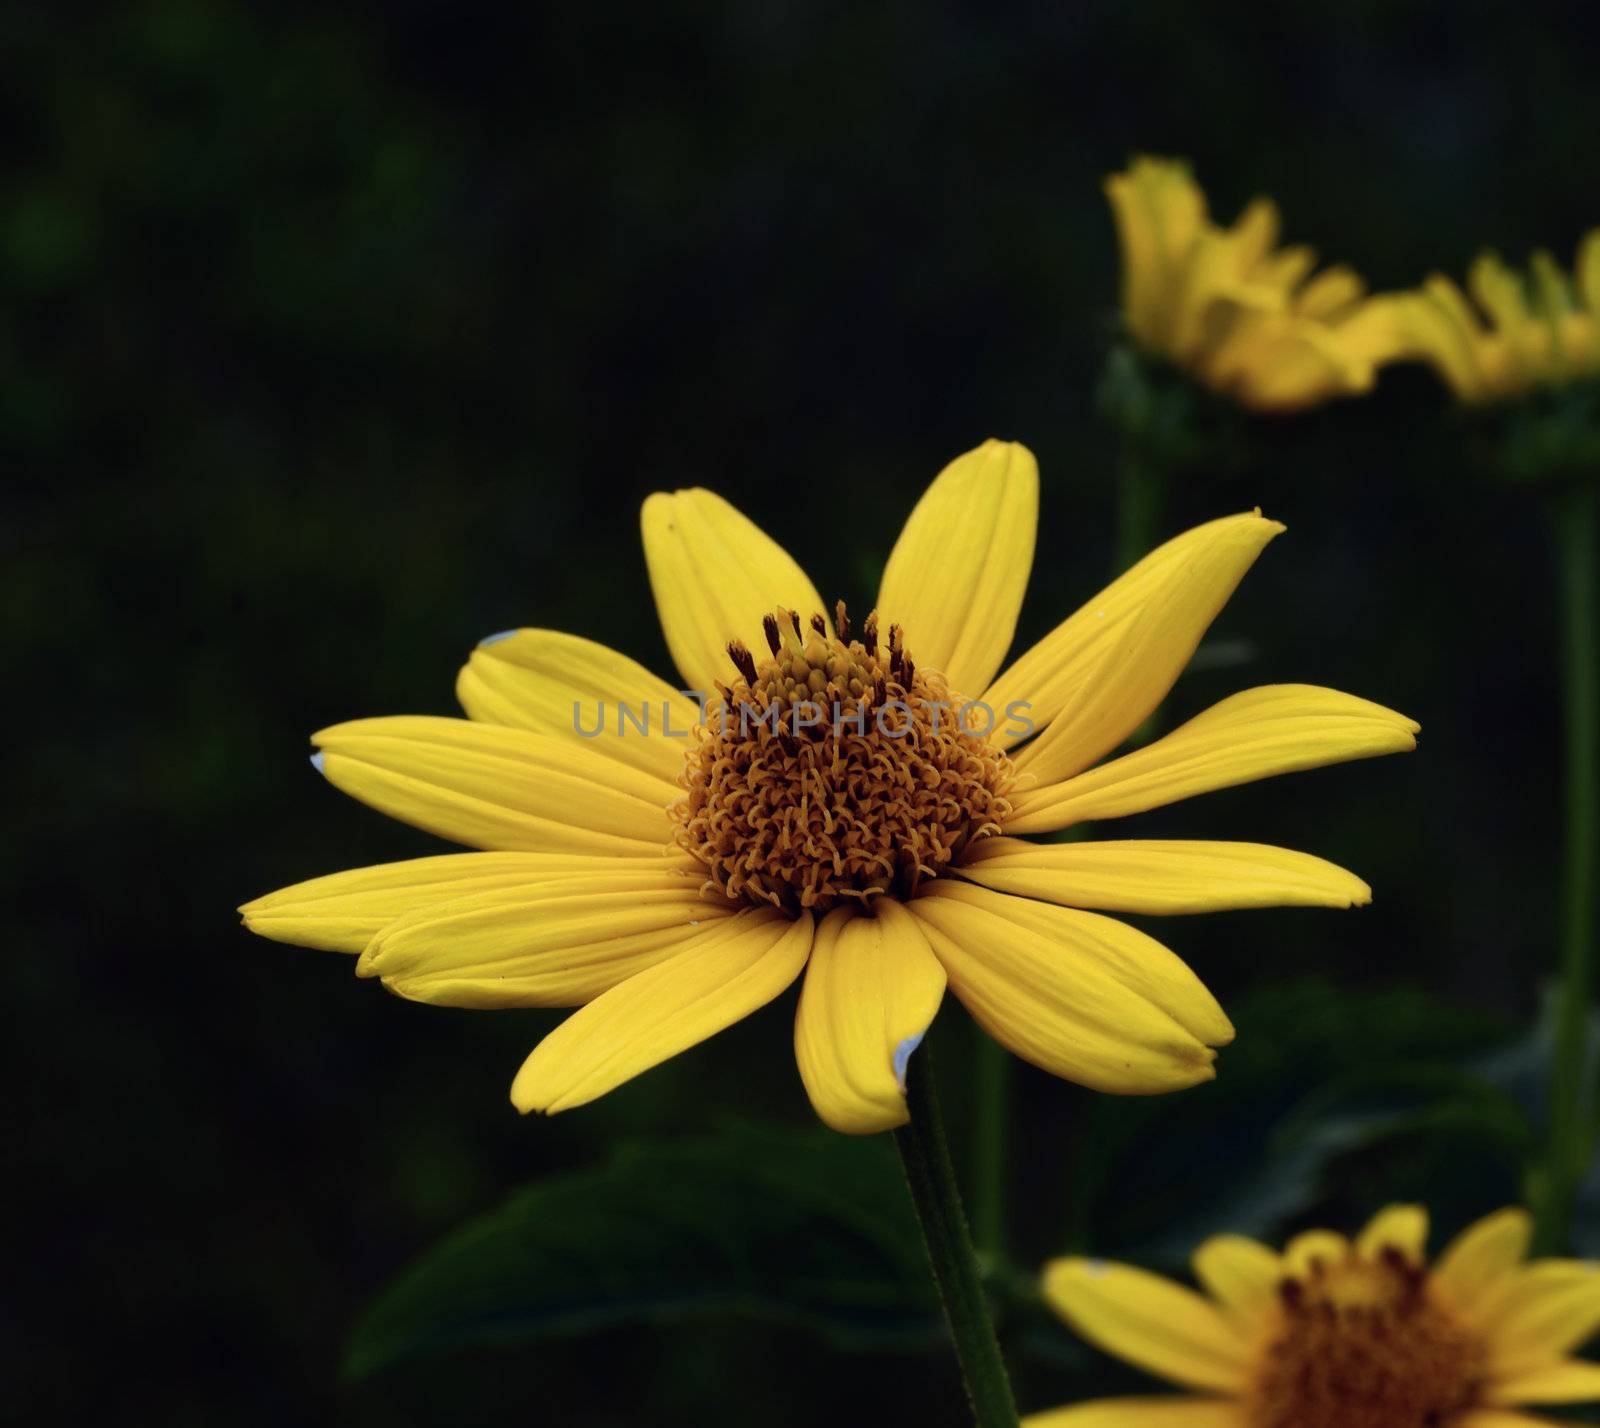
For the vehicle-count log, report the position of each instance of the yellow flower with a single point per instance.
(1233, 310)
(671, 883)
(1331, 1334)
(1542, 330)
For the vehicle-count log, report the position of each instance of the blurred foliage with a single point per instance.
(334, 337)
(808, 1228)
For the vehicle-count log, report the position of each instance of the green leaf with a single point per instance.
(811, 1228)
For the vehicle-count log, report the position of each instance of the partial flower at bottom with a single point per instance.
(1333, 1333)
(670, 881)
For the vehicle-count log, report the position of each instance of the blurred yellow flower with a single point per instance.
(1334, 1334)
(1541, 329)
(671, 873)
(1233, 310)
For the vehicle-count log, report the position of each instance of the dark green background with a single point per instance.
(336, 337)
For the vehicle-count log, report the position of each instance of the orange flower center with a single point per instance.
(1362, 1344)
(836, 769)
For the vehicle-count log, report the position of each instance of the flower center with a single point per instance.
(1361, 1344)
(836, 769)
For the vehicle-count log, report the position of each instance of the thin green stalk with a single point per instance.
(991, 1085)
(932, 1179)
(1140, 489)
(1572, 1099)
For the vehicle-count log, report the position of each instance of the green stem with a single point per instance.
(1140, 489)
(991, 1078)
(926, 1159)
(1572, 1128)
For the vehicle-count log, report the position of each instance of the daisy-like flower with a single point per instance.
(843, 809)
(1541, 329)
(1335, 1334)
(1229, 307)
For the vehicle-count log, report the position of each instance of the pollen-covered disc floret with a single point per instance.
(1360, 1342)
(836, 769)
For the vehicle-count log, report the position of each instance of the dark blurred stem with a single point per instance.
(1572, 1099)
(1141, 486)
(1141, 491)
(991, 1081)
(932, 1178)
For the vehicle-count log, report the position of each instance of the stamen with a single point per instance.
(822, 776)
(742, 659)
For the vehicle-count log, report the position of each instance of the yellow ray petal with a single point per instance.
(1065, 1013)
(1399, 1227)
(1331, 290)
(342, 912)
(1274, 729)
(1168, 1412)
(1479, 1263)
(716, 574)
(1437, 325)
(1302, 1253)
(1551, 1308)
(1187, 580)
(1240, 1274)
(1160, 1326)
(872, 987)
(1129, 957)
(719, 977)
(572, 688)
(1500, 1418)
(956, 576)
(1566, 1381)
(497, 788)
(1159, 211)
(1149, 653)
(555, 944)
(1156, 876)
(1586, 270)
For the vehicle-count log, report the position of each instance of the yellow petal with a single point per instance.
(1330, 291)
(1185, 582)
(1149, 654)
(1240, 1274)
(1437, 325)
(1303, 1252)
(872, 987)
(1059, 1008)
(716, 574)
(1586, 270)
(718, 978)
(1500, 1418)
(1159, 212)
(341, 912)
(1480, 1262)
(956, 576)
(1157, 876)
(1566, 1381)
(1129, 957)
(1399, 1227)
(1551, 1308)
(497, 788)
(1167, 1412)
(1274, 729)
(1151, 1322)
(572, 688)
(558, 943)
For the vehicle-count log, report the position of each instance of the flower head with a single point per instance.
(847, 801)
(1232, 309)
(1527, 331)
(1339, 1334)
